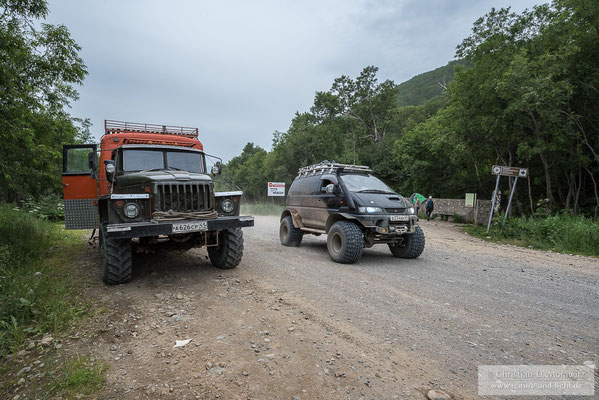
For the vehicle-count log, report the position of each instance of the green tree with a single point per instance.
(38, 71)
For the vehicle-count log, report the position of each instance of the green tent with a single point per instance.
(418, 196)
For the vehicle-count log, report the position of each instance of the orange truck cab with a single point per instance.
(148, 189)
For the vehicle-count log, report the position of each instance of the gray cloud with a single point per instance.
(238, 70)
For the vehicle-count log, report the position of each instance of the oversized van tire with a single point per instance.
(412, 245)
(117, 262)
(229, 251)
(289, 234)
(345, 242)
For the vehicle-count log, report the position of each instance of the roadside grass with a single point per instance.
(262, 209)
(78, 378)
(38, 291)
(560, 233)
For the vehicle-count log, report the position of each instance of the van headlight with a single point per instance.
(370, 210)
(227, 206)
(131, 210)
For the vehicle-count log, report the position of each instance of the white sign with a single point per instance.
(276, 188)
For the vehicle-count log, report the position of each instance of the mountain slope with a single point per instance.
(423, 87)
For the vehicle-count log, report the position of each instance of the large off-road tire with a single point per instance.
(289, 234)
(412, 245)
(116, 259)
(345, 242)
(229, 251)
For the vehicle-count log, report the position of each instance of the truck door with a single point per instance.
(80, 186)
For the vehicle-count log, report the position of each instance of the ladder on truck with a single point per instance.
(134, 127)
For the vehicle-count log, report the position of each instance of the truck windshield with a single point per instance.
(143, 160)
(365, 183)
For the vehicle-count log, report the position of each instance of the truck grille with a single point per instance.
(184, 197)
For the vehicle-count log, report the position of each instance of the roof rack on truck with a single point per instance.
(122, 127)
(331, 167)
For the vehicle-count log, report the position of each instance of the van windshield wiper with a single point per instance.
(375, 191)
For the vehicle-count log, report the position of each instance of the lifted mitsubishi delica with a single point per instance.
(354, 208)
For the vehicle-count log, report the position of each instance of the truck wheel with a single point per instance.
(289, 234)
(412, 245)
(116, 259)
(229, 251)
(345, 242)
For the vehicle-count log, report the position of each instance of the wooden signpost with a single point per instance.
(502, 170)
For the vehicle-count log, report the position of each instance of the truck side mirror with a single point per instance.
(92, 163)
(110, 167)
(330, 189)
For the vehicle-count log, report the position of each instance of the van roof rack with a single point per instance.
(331, 167)
(122, 127)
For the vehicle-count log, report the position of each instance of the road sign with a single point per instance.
(276, 188)
(509, 171)
(470, 199)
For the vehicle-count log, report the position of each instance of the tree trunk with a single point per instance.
(537, 131)
(596, 193)
(532, 206)
(547, 180)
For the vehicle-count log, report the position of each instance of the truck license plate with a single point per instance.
(181, 227)
(400, 218)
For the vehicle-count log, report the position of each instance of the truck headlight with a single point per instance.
(227, 206)
(131, 210)
(411, 210)
(370, 210)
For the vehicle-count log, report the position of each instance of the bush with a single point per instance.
(562, 232)
(35, 295)
(48, 207)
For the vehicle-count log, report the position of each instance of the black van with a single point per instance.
(354, 208)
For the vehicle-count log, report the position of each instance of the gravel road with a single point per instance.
(289, 323)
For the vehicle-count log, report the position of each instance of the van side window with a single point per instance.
(311, 185)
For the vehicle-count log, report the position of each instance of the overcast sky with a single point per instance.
(239, 70)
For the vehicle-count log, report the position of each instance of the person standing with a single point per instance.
(429, 207)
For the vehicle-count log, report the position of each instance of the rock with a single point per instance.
(38, 273)
(437, 395)
(208, 365)
(270, 356)
(217, 370)
(46, 340)
(244, 373)
(291, 329)
(221, 337)
(112, 347)
(21, 381)
(23, 371)
(180, 296)
(159, 296)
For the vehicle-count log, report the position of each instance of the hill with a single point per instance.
(423, 87)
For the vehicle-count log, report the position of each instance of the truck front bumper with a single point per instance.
(155, 228)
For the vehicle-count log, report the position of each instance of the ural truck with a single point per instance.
(150, 189)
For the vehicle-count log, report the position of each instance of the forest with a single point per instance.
(523, 91)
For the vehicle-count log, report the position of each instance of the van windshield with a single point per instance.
(135, 160)
(365, 183)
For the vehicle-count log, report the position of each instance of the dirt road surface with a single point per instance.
(289, 323)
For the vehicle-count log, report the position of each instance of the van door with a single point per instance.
(80, 186)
